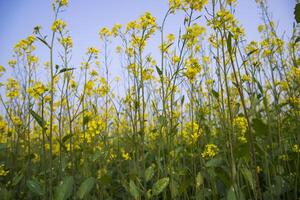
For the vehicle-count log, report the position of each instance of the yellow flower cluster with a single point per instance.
(58, 25)
(116, 29)
(295, 72)
(12, 63)
(193, 68)
(145, 22)
(192, 34)
(96, 126)
(240, 126)
(125, 155)
(3, 172)
(2, 70)
(104, 87)
(104, 32)
(191, 4)
(295, 148)
(258, 169)
(63, 2)
(37, 90)
(93, 51)
(191, 132)
(67, 42)
(25, 45)
(210, 151)
(12, 88)
(89, 87)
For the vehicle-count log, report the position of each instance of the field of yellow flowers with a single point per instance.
(213, 117)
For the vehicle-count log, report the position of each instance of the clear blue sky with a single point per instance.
(86, 17)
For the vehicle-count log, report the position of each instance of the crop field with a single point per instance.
(201, 113)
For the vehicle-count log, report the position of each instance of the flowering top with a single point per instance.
(58, 25)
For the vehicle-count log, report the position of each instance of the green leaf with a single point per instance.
(35, 187)
(248, 177)
(66, 137)
(297, 12)
(174, 188)
(64, 189)
(259, 126)
(229, 42)
(159, 71)
(17, 179)
(199, 180)
(149, 173)
(86, 187)
(182, 99)
(38, 119)
(231, 194)
(160, 185)
(251, 52)
(64, 70)
(214, 162)
(133, 189)
(215, 94)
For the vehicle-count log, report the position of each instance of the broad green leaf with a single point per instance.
(248, 177)
(229, 42)
(35, 187)
(214, 162)
(133, 189)
(86, 187)
(174, 187)
(2, 146)
(297, 12)
(17, 179)
(160, 185)
(64, 189)
(199, 180)
(38, 119)
(231, 194)
(215, 94)
(259, 126)
(149, 173)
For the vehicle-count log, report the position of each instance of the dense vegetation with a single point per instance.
(214, 116)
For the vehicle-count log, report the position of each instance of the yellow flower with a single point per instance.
(104, 32)
(230, 1)
(3, 172)
(195, 4)
(37, 90)
(58, 25)
(67, 42)
(125, 155)
(240, 124)
(12, 63)
(258, 169)
(12, 88)
(192, 68)
(296, 148)
(210, 151)
(175, 4)
(63, 2)
(2, 69)
(115, 30)
(171, 38)
(93, 51)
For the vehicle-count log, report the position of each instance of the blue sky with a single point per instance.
(85, 17)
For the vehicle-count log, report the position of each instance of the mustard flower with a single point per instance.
(210, 151)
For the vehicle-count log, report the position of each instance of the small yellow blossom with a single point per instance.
(210, 151)
(58, 25)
